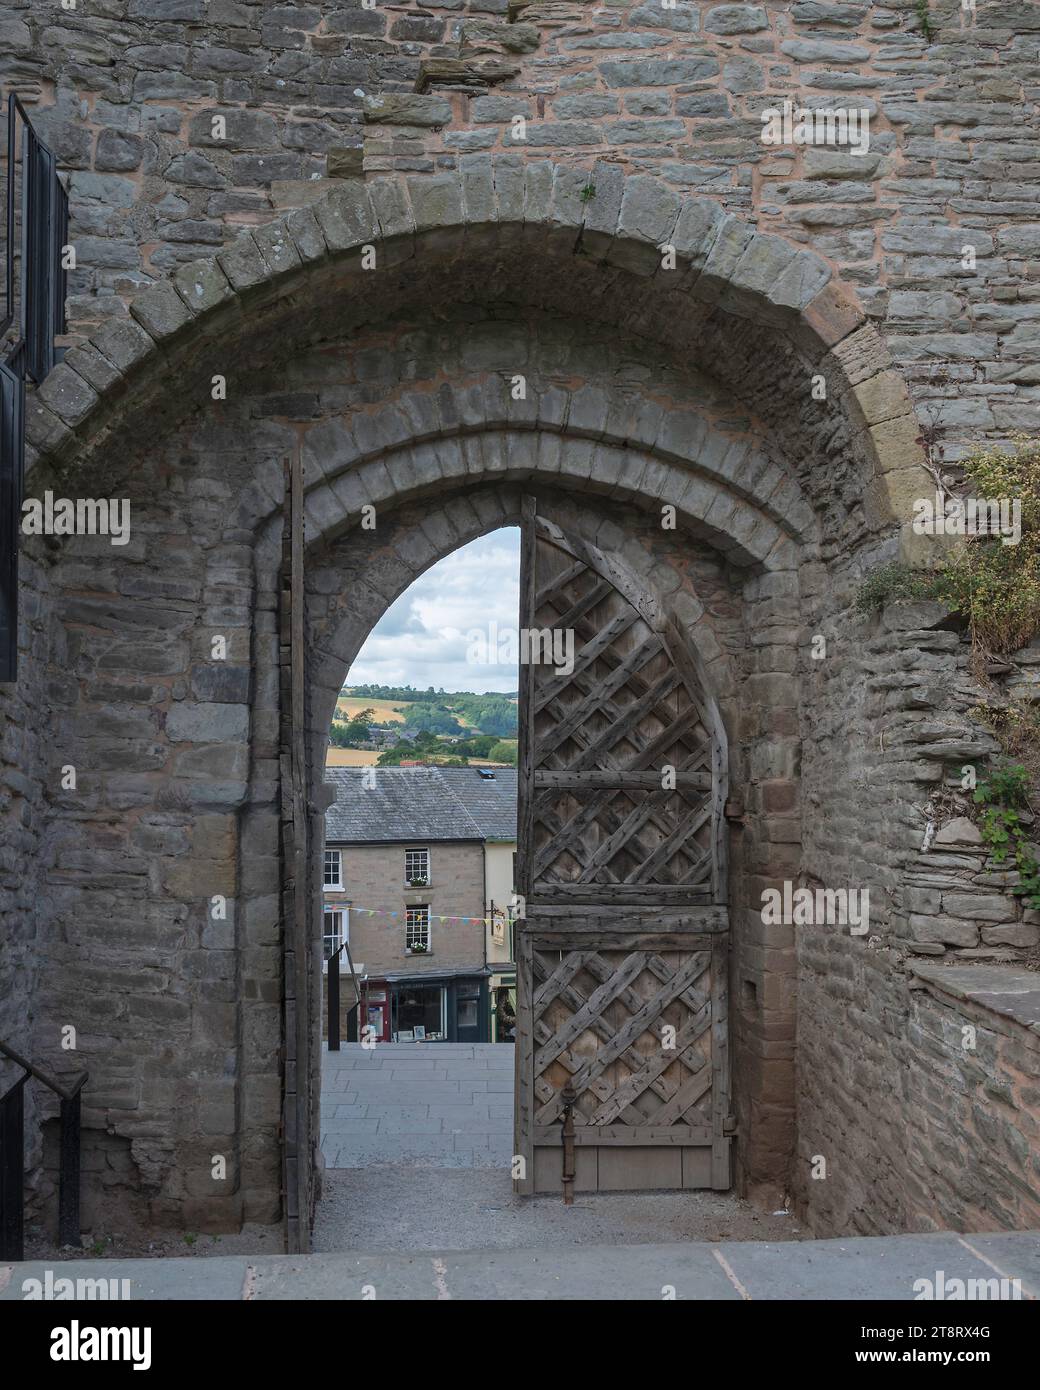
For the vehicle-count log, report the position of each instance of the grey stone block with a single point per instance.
(407, 108)
(478, 188)
(207, 723)
(993, 907)
(735, 19)
(277, 247)
(306, 233)
(118, 151)
(123, 343)
(649, 210)
(67, 394)
(160, 311)
(696, 229)
(824, 51)
(202, 285)
(242, 263)
(436, 201)
(657, 72)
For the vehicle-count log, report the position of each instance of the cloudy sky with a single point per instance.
(422, 640)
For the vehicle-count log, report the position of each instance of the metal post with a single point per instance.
(68, 1179)
(568, 1096)
(334, 1002)
(12, 1173)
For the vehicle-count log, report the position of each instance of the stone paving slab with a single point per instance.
(1017, 1253)
(866, 1268)
(595, 1272)
(218, 1279)
(859, 1267)
(418, 1105)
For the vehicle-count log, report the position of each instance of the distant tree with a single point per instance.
(434, 719)
(357, 729)
(503, 752)
(479, 746)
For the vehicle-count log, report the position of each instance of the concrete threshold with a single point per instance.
(903, 1268)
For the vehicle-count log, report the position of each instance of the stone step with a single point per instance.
(879, 1267)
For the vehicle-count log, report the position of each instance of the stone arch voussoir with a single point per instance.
(456, 518)
(721, 261)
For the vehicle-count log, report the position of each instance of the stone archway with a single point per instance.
(770, 485)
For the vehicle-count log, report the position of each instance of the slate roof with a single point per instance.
(420, 803)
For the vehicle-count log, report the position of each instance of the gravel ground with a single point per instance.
(405, 1209)
(395, 1209)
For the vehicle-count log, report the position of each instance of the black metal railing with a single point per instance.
(37, 233)
(333, 994)
(12, 1157)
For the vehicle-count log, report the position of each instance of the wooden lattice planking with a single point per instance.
(626, 786)
(622, 957)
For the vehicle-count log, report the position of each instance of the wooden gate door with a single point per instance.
(622, 949)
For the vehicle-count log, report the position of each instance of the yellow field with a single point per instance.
(367, 757)
(347, 706)
(384, 711)
(351, 757)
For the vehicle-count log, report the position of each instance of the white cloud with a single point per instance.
(422, 639)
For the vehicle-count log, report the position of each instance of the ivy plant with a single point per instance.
(1002, 797)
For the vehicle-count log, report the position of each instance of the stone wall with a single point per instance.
(25, 786)
(973, 1059)
(642, 391)
(312, 93)
(791, 732)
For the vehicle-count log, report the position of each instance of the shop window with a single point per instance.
(420, 1013)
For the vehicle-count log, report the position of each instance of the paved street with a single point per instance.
(447, 1109)
(428, 1105)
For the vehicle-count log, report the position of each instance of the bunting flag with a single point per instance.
(434, 917)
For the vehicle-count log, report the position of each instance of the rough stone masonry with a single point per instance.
(517, 169)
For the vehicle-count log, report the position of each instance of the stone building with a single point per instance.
(418, 875)
(446, 256)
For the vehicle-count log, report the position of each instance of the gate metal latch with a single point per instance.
(568, 1097)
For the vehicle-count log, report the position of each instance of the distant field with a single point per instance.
(350, 757)
(384, 710)
(347, 706)
(366, 757)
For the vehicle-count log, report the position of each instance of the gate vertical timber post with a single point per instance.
(523, 1143)
(296, 1118)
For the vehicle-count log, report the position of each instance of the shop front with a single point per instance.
(428, 1008)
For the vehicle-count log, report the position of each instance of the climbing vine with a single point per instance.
(1003, 799)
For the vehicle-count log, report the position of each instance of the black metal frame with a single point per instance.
(37, 320)
(12, 1158)
(12, 482)
(333, 998)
